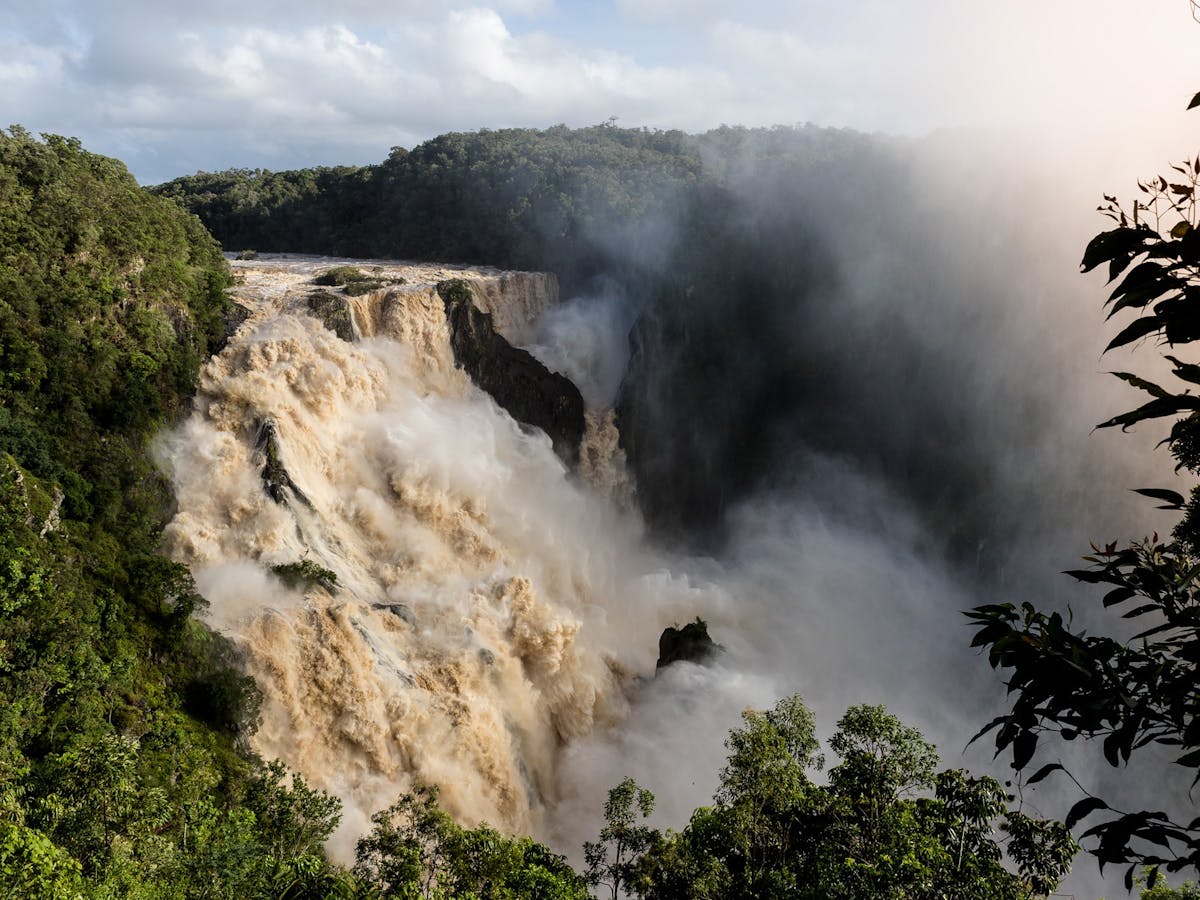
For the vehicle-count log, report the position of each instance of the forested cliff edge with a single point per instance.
(751, 365)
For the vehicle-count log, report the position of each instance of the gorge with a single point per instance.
(491, 602)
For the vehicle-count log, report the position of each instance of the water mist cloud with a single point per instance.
(873, 400)
(587, 339)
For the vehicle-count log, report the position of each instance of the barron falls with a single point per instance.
(427, 588)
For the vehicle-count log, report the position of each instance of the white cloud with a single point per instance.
(176, 85)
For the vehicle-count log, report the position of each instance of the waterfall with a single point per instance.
(490, 605)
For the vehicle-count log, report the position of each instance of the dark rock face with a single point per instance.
(524, 388)
(690, 643)
(333, 312)
(233, 317)
(275, 478)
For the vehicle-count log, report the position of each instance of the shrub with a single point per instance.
(339, 276)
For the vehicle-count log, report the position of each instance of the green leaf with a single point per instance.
(1185, 371)
(1149, 632)
(1089, 576)
(1155, 409)
(1142, 384)
(1024, 747)
(1142, 610)
(1083, 808)
(1118, 246)
(1140, 298)
(1043, 772)
(1140, 276)
(1172, 499)
(1112, 748)
(1189, 247)
(1135, 330)
(1118, 595)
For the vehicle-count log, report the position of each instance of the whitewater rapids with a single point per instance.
(491, 607)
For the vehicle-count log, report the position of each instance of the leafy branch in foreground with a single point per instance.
(1127, 693)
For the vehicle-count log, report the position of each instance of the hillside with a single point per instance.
(123, 765)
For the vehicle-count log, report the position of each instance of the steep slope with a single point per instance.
(122, 724)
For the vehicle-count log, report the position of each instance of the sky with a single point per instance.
(177, 86)
(1093, 90)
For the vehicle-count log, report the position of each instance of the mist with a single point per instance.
(838, 392)
(861, 401)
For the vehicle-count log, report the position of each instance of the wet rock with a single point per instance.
(333, 312)
(233, 317)
(275, 478)
(399, 610)
(522, 386)
(690, 643)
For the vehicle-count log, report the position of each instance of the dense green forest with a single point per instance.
(514, 199)
(581, 202)
(125, 766)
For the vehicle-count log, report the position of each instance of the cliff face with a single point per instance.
(422, 590)
(524, 388)
(344, 433)
(488, 314)
(514, 300)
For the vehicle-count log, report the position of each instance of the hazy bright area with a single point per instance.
(1011, 120)
(173, 87)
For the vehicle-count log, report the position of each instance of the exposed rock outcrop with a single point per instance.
(515, 300)
(233, 317)
(522, 386)
(690, 643)
(333, 312)
(275, 478)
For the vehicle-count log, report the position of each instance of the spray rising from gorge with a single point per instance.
(489, 607)
(854, 400)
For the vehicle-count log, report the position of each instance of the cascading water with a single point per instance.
(872, 423)
(490, 605)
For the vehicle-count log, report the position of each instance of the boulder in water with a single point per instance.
(690, 643)
(275, 478)
(333, 312)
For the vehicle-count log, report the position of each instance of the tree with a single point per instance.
(33, 868)
(613, 860)
(416, 850)
(296, 819)
(1127, 693)
(1162, 891)
(404, 852)
(873, 831)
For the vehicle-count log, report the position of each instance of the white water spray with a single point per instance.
(490, 607)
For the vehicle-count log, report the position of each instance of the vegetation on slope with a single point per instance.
(516, 198)
(123, 767)
(124, 770)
